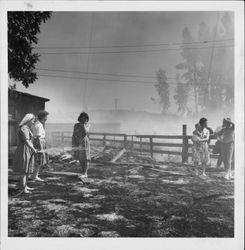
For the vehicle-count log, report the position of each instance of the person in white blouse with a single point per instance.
(40, 143)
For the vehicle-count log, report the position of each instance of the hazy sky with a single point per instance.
(73, 29)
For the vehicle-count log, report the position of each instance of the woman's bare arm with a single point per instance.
(30, 145)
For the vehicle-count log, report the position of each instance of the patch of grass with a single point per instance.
(117, 204)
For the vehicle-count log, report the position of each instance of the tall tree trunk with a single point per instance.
(195, 92)
(196, 99)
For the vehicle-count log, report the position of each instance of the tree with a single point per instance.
(181, 97)
(163, 90)
(210, 71)
(219, 65)
(189, 67)
(226, 62)
(23, 28)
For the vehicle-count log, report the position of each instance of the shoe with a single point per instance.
(26, 191)
(38, 179)
(227, 177)
(82, 176)
(220, 166)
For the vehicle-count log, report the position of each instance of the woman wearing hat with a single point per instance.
(227, 147)
(24, 150)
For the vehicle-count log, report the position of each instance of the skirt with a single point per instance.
(200, 153)
(40, 158)
(22, 159)
(227, 154)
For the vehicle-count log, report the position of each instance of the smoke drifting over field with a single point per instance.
(138, 121)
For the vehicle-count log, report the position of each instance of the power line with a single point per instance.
(129, 51)
(133, 46)
(97, 79)
(106, 74)
(124, 81)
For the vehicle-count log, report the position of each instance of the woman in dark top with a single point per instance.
(80, 142)
(227, 133)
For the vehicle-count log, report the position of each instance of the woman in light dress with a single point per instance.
(200, 146)
(24, 150)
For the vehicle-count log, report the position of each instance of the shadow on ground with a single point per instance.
(125, 201)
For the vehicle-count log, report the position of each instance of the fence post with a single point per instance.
(62, 140)
(151, 147)
(52, 139)
(104, 141)
(125, 141)
(141, 145)
(185, 143)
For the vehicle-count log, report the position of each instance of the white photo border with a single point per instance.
(11, 243)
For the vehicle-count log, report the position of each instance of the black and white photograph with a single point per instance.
(122, 122)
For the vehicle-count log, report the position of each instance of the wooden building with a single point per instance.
(19, 104)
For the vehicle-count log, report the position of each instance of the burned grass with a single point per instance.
(125, 201)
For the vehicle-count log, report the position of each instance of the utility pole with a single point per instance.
(116, 103)
(84, 100)
(195, 89)
(210, 63)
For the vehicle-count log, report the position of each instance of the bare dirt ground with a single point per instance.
(125, 201)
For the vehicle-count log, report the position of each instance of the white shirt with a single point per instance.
(38, 130)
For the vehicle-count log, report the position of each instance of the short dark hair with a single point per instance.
(202, 120)
(83, 117)
(42, 114)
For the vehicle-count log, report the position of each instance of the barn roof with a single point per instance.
(29, 95)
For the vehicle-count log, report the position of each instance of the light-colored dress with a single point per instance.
(200, 152)
(23, 153)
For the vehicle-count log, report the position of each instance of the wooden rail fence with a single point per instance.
(141, 143)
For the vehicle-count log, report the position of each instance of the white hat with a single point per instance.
(28, 117)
